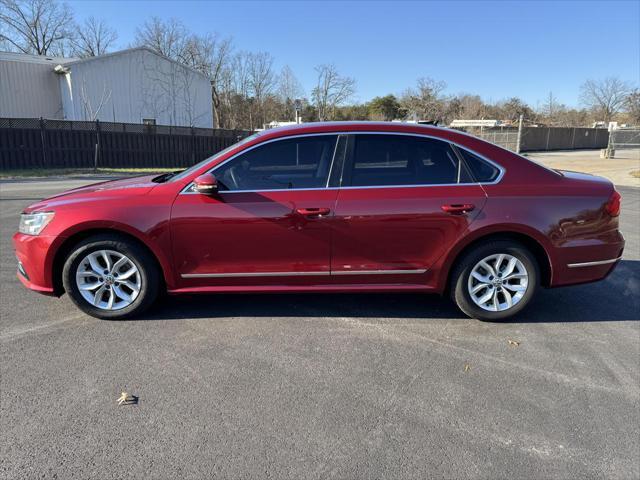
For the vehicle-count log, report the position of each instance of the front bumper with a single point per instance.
(35, 261)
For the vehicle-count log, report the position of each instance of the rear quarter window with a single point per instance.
(481, 170)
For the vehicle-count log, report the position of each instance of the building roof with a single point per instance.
(75, 61)
(41, 59)
(53, 61)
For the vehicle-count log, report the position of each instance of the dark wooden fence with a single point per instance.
(563, 138)
(27, 143)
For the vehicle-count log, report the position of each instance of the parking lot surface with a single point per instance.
(621, 170)
(324, 386)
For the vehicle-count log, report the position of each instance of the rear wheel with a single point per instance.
(111, 277)
(495, 280)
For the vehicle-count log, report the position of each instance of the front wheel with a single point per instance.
(111, 277)
(495, 280)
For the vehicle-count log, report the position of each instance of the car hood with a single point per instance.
(133, 186)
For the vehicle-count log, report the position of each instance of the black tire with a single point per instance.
(462, 271)
(147, 267)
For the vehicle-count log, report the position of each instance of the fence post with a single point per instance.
(43, 140)
(95, 157)
(519, 137)
(548, 135)
(610, 143)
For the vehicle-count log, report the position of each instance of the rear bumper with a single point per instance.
(587, 263)
(35, 262)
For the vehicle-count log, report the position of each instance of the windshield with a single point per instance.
(190, 170)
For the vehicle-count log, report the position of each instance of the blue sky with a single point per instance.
(495, 49)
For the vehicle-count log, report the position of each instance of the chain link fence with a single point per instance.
(626, 138)
(506, 137)
(544, 138)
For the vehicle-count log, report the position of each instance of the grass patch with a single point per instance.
(635, 174)
(62, 172)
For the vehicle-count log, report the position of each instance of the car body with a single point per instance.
(365, 206)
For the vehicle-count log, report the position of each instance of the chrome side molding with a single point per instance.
(302, 274)
(593, 264)
(378, 272)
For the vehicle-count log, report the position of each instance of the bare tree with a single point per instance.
(604, 97)
(168, 38)
(92, 110)
(466, 107)
(210, 54)
(168, 91)
(93, 38)
(288, 85)
(426, 102)
(40, 27)
(261, 78)
(512, 108)
(632, 106)
(331, 91)
(241, 83)
(550, 108)
(289, 89)
(235, 92)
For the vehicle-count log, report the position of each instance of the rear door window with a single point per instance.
(402, 160)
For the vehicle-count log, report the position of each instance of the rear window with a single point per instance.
(481, 170)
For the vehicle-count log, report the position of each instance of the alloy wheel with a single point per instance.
(108, 280)
(498, 282)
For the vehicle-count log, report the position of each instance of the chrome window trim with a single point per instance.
(302, 274)
(333, 160)
(501, 170)
(187, 190)
(593, 264)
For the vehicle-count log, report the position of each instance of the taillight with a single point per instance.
(613, 205)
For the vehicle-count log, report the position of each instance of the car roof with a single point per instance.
(352, 126)
(447, 134)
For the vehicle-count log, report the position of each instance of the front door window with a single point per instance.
(296, 163)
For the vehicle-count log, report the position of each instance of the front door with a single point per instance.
(268, 225)
(405, 200)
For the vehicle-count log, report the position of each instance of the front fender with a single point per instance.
(157, 241)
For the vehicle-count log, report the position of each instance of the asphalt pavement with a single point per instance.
(321, 386)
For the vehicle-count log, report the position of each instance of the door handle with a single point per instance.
(313, 212)
(458, 208)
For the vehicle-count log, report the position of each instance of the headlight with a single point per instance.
(33, 223)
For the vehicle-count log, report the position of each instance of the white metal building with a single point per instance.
(130, 86)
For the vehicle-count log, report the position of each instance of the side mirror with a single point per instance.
(206, 184)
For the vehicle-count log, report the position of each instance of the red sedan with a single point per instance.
(328, 207)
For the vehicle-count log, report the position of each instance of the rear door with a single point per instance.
(404, 200)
